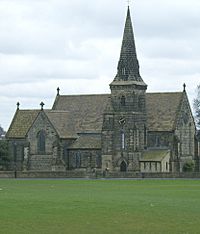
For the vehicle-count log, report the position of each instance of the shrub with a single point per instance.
(4, 159)
(188, 166)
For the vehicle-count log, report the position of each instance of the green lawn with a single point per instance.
(102, 206)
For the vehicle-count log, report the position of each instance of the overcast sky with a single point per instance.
(75, 45)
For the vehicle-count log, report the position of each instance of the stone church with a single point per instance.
(126, 130)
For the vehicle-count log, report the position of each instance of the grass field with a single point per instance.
(99, 206)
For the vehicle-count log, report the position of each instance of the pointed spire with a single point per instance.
(128, 66)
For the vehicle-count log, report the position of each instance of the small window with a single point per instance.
(78, 160)
(123, 101)
(157, 141)
(41, 138)
(156, 166)
(123, 140)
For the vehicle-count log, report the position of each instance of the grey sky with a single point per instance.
(76, 44)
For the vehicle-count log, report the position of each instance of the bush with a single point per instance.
(4, 159)
(188, 166)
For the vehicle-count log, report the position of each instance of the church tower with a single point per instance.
(124, 126)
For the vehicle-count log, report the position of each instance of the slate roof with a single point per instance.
(24, 119)
(84, 114)
(154, 155)
(21, 123)
(87, 110)
(162, 110)
(87, 141)
(63, 122)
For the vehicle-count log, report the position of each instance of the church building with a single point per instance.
(128, 130)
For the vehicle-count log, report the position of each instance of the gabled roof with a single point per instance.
(23, 120)
(63, 123)
(87, 110)
(84, 114)
(162, 110)
(21, 123)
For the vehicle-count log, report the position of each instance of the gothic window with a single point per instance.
(136, 139)
(157, 141)
(98, 160)
(123, 101)
(73, 161)
(78, 160)
(145, 136)
(140, 103)
(41, 141)
(123, 166)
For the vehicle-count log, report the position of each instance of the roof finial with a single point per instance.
(128, 1)
(18, 104)
(184, 87)
(42, 105)
(58, 91)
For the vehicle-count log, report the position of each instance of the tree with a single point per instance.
(4, 159)
(2, 132)
(196, 105)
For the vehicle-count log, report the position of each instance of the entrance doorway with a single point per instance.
(123, 166)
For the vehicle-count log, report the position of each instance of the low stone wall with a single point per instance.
(97, 175)
(7, 174)
(153, 175)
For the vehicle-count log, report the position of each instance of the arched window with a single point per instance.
(78, 160)
(41, 138)
(123, 100)
(123, 166)
(123, 140)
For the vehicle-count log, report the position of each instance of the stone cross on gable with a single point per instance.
(42, 105)
(18, 104)
(184, 87)
(58, 91)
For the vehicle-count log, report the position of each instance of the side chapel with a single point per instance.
(126, 130)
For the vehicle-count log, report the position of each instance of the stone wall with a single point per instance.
(97, 175)
(51, 137)
(160, 140)
(185, 134)
(84, 159)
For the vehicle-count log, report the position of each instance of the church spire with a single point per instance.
(128, 66)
